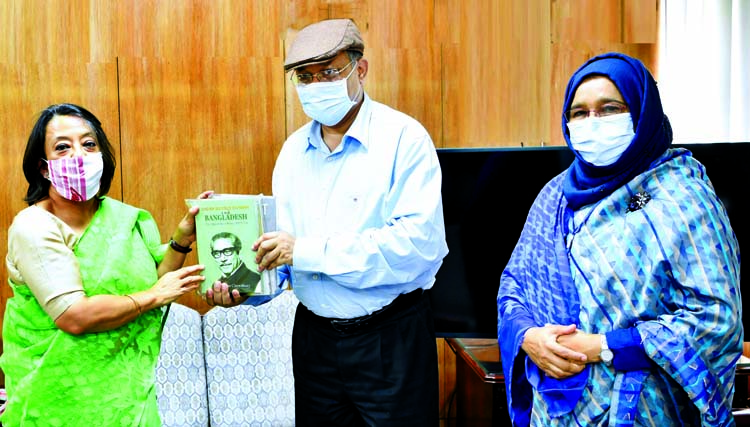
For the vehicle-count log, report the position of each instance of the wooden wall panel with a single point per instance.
(640, 21)
(201, 90)
(409, 81)
(45, 31)
(599, 20)
(188, 127)
(301, 13)
(188, 29)
(400, 24)
(495, 77)
(404, 60)
(354, 9)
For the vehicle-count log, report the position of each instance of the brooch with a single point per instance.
(638, 201)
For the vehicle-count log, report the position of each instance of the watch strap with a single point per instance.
(179, 248)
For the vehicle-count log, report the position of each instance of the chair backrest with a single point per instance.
(249, 363)
(180, 372)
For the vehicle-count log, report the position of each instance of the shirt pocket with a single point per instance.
(346, 212)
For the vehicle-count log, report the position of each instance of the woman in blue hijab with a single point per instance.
(621, 304)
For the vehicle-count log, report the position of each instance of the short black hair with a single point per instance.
(35, 153)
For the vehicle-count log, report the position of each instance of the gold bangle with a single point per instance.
(137, 306)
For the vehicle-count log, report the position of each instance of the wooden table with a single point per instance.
(480, 385)
(741, 394)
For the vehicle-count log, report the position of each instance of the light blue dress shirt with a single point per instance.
(367, 217)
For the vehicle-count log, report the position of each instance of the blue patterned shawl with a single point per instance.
(537, 287)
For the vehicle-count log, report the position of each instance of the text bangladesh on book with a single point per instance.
(227, 225)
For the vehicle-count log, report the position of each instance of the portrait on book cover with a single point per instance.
(227, 225)
(226, 251)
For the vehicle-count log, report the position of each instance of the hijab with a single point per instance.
(549, 289)
(585, 183)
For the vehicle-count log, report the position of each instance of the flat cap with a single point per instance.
(322, 41)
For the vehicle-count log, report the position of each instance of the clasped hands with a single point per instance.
(273, 249)
(561, 351)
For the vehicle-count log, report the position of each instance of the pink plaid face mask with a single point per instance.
(76, 178)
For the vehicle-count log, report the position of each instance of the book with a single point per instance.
(226, 227)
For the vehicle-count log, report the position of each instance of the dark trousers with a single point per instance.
(382, 374)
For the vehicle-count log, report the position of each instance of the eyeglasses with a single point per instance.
(607, 109)
(226, 252)
(327, 75)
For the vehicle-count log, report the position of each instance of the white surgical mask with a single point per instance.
(327, 102)
(76, 178)
(602, 140)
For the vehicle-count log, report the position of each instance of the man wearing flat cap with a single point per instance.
(358, 200)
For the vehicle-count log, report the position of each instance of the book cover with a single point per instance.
(226, 227)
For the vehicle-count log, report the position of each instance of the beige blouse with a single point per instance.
(40, 256)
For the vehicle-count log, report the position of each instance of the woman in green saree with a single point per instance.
(82, 331)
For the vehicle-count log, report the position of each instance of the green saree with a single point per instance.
(97, 379)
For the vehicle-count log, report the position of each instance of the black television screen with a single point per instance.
(487, 194)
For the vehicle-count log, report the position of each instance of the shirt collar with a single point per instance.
(357, 132)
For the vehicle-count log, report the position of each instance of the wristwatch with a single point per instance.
(179, 248)
(606, 354)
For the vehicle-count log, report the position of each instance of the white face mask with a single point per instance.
(602, 140)
(327, 102)
(76, 178)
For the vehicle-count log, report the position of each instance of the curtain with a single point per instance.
(704, 69)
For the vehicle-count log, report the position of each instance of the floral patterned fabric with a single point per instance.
(249, 363)
(181, 371)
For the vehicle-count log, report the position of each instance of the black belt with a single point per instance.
(399, 304)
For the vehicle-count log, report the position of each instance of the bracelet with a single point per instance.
(179, 248)
(137, 306)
